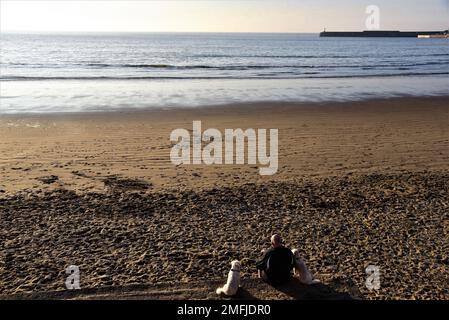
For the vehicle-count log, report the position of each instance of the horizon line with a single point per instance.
(90, 31)
(205, 32)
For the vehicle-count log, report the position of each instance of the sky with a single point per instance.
(218, 15)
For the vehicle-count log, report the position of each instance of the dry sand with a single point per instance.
(359, 183)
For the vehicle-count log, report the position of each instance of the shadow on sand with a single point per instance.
(298, 291)
(319, 291)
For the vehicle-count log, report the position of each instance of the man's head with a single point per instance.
(276, 240)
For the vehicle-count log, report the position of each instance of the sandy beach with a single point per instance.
(359, 183)
(315, 139)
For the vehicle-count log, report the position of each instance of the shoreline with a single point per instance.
(255, 106)
(114, 96)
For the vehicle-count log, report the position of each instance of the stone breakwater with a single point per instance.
(399, 222)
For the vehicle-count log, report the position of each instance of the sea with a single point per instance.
(53, 73)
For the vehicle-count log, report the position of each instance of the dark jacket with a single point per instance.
(277, 263)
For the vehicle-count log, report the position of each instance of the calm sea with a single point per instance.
(91, 72)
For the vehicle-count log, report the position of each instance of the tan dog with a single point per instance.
(301, 270)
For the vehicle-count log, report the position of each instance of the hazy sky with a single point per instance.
(219, 16)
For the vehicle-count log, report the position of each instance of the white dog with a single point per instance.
(233, 282)
(301, 270)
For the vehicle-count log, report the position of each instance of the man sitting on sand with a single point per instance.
(277, 263)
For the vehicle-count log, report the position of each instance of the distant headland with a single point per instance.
(386, 33)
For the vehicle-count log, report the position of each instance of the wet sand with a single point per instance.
(359, 183)
(314, 140)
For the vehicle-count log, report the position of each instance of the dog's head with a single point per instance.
(296, 253)
(235, 265)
